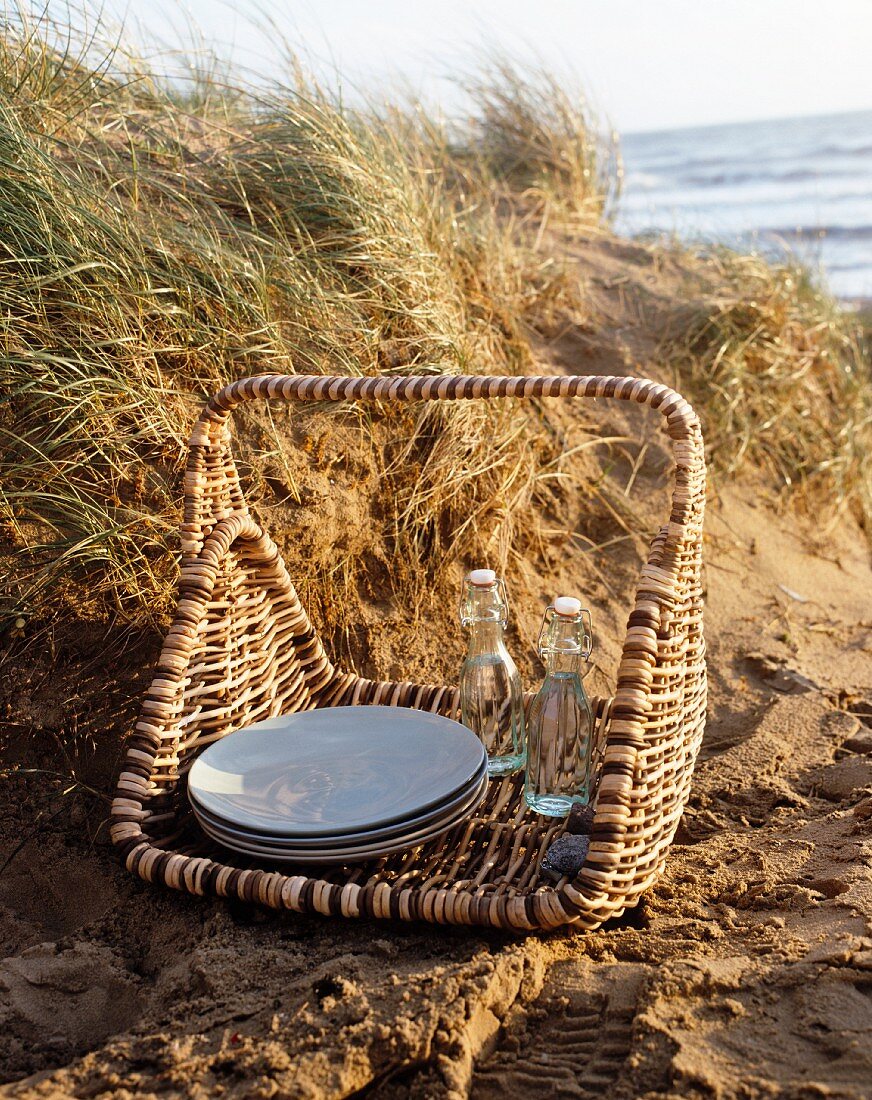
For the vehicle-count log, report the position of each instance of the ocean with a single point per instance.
(802, 185)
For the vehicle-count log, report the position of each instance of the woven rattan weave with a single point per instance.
(241, 648)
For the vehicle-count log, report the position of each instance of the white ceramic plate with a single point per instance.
(466, 798)
(343, 855)
(335, 771)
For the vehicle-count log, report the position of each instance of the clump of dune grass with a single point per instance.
(157, 242)
(542, 143)
(782, 377)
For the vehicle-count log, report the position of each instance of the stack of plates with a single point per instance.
(338, 785)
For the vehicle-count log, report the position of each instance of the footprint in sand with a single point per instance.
(574, 1041)
(54, 1004)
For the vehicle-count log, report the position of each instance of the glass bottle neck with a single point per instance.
(562, 646)
(483, 604)
(485, 636)
(558, 662)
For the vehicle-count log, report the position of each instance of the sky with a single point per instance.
(645, 64)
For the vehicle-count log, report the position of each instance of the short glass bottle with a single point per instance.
(491, 697)
(560, 726)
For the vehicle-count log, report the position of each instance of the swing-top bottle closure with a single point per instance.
(485, 599)
(559, 633)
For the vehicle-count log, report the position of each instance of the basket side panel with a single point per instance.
(673, 723)
(659, 711)
(240, 649)
(256, 654)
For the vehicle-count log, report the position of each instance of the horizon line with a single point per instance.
(638, 132)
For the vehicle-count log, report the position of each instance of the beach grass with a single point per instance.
(158, 239)
(783, 376)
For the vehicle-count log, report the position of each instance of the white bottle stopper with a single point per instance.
(567, 605)
(483, 578)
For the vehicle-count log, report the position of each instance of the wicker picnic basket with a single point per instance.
(241, 648)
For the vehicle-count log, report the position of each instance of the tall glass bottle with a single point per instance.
(560, 728)
(491, 697)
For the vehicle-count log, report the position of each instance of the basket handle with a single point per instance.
(212, 490)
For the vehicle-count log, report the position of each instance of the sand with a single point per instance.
(746, 972)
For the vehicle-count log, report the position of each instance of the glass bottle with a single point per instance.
(560, 727)
(491, 697)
